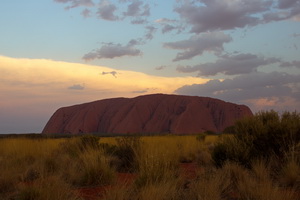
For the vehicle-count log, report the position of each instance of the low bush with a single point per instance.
(234, 181)
(77, 145)
(290, 174)
(201, 137)
(127, 150)
(261, 136)
(92, 168)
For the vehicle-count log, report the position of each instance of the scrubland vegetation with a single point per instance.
(258, 158)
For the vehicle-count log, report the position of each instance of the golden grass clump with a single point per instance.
(46, 189)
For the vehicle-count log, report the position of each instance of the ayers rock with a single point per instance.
(156, 113)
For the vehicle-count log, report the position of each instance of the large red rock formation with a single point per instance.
(157, 113)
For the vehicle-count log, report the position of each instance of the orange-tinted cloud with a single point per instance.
(37, 87)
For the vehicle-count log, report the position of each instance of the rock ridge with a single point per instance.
(155, 113)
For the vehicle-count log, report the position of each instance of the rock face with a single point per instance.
(157, 113)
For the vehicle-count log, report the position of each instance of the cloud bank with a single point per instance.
(231, 65)
(216, 15)
(198, 44)
(259, 90)
(32, 89)
(112, 50)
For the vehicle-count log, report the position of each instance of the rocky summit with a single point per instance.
(156, 113)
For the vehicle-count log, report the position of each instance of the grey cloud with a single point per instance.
(76, 3)
(294, 63)
(106, 11)
(276, 16)
(212, 15)
(296, 35)
(251, 86)
(76, 87)
(133, 9)
(198, 44)
(287, 9)
(138, 11)
(137, 8)
(165, 20)
(138, 21)
(150, 31)
(146, 11)
(230, 65)
(160, 67)
(284, 4)
(167, 28)
(169, 25)
(114, 73)
(134, 42)
(86, 13)
(112, 50)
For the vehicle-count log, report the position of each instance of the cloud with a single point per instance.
(139, 21)
(286, 9)
(107, 10)
(137, 8)
(169, 25)
(230, 65)
(296, 35)
(76, 87)
(32, 89)
(86, 13)
(216, 15)
(160, 67)
(277, 87)
(284, 4)
(111, 50)
(168, 28)
(76, 3)
(295, 63)
(114, 73)
(150, 31)
(212, 15)
(198, 44)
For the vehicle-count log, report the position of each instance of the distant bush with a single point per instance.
(263, 135)
(75, 146)
(201, 137)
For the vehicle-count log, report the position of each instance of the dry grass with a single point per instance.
(53, 168)
(46, 189)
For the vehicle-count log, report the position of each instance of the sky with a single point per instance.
(56, 53)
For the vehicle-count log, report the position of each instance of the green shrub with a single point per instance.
(230, 148)
(263, 135)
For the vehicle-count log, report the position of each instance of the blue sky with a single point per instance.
(242, 51)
